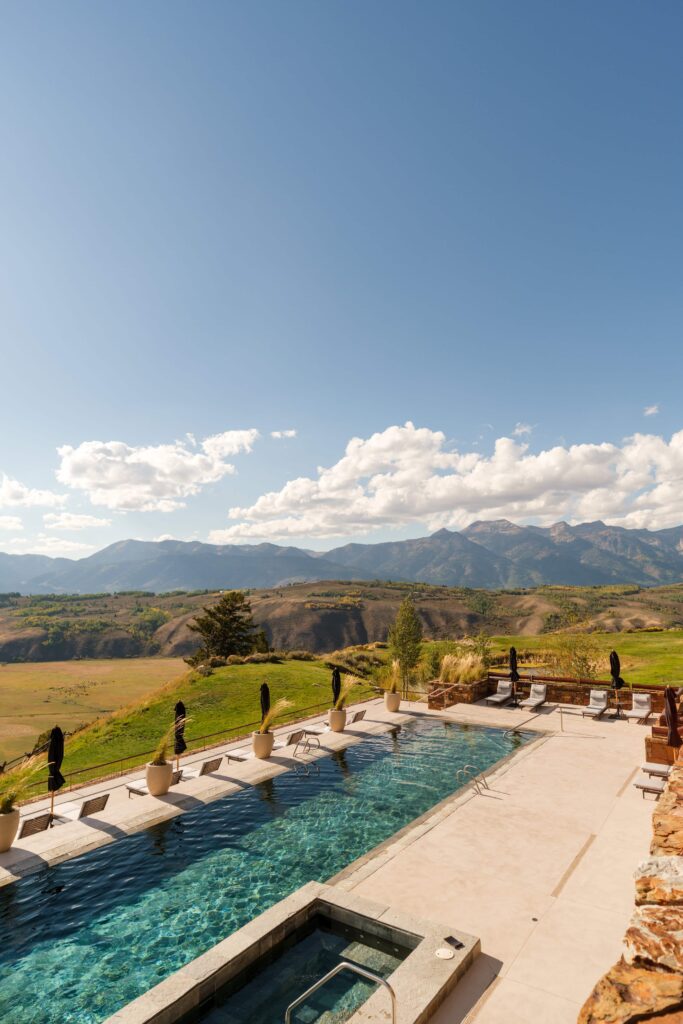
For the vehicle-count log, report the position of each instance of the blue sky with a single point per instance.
(336, 219)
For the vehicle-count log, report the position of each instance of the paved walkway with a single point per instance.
(539, 867)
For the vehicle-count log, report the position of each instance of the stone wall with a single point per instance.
(558, 690)
(647, 982)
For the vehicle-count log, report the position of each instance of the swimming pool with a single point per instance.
(85, 937)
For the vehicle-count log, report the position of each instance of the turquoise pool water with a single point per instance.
(85, 937)
(296, 968)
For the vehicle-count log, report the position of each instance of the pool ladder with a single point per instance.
(343, 966)
(470, 773)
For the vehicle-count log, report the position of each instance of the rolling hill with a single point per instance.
(319, 617)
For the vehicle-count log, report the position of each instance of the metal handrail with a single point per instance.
(193, 746)
(344, 965)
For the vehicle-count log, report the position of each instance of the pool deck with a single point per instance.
(539, 867)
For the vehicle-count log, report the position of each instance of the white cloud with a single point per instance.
(44, 544)
(14, 494)
(650, 410)
(522, 430)
(156, 478)
(278, 434)
(72, 521)
(11, 523)
(405, 476)
(164, 536)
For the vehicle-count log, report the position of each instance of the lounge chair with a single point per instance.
(206, 769)
(74, 811)
(39, 823)
(536, 698)
(244, 754)
(641, 708)
(139, 786)
(320, 730)
(597, 704)
(503, 693)
(662, 771)
(646, 784)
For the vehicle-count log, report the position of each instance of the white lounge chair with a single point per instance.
(76, 811)
(662, 771)
(503, 693)
(646, 784)
(206, 769)
(597, 704)
(138, 787)
(537, 696)
(641, 709)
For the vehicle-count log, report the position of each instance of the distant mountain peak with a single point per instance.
(492, 554)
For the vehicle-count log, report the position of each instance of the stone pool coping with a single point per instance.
(421, 982)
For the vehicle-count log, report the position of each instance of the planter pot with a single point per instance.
(9, 826)
(262, 744)
(337, 720)
(392, 701)
(159, 778)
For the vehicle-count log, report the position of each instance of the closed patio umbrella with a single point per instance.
(514, 674)
(336, 685)
(671, 717)
(179, 744)
(617, 681)
(265, 700)
(55, 756)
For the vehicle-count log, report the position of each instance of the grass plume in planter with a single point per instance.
(273, 714)
(16, 783)
(160, 755)
(344, 691)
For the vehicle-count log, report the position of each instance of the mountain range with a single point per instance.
(490, 555)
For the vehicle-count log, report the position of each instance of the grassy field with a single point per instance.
(646, 658)
(37, 696)
(227, 699)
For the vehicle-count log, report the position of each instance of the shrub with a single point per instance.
(217, 662)
(298, 656)
(464, 668)
(234, 659)
(261, 659)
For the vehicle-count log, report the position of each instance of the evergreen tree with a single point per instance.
(227, 628)
(405, 638)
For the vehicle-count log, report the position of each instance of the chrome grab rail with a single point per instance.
(344, 965)
(479, 779)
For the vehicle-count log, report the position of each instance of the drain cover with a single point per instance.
(445, 954)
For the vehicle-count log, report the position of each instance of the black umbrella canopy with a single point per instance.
(514, 674)
(336, 684)
(265, 700)
(615, 670)
(179, 744)
(55, 756)
(671, 717)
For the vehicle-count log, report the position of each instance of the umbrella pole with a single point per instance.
(52, 806)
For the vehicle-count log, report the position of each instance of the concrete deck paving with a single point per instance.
(539, 866)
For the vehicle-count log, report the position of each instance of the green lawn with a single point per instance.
(646, 658)
(227, 699)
